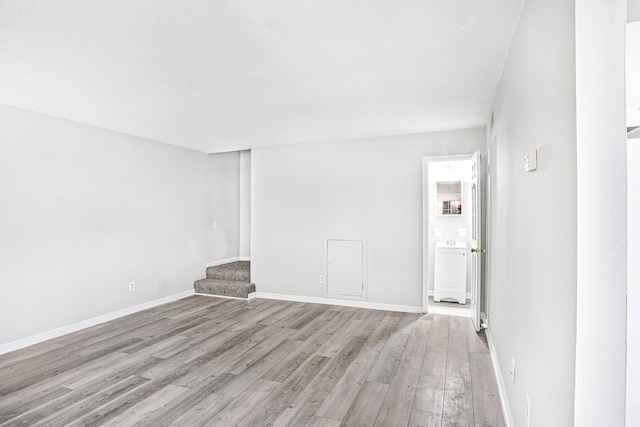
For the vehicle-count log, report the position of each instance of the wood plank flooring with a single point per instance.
(206, 361)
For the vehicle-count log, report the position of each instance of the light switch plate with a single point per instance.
(531, 160)
(437, 231)
(462, 232)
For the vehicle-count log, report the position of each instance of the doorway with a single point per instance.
(448, 228)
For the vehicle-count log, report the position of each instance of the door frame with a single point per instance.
(490, 202)
(426, 235)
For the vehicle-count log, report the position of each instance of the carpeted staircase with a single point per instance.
(227, 280)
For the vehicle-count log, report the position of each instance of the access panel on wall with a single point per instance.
(345, 268)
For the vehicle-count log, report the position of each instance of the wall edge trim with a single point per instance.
(83, 324)
(222, 261)
(341, 302)
(506, 409)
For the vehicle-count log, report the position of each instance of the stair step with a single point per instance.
(225, 288)
(239, 270)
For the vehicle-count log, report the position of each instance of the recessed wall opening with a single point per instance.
(452, 235)
(448, 231)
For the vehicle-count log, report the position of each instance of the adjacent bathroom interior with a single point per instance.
(449, 230)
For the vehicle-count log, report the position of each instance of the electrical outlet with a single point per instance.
(132, 286)
(322, 278)
(512, 373)
(527, 414)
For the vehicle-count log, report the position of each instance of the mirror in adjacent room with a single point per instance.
(449, 198)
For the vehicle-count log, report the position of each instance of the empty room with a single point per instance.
(319, 213)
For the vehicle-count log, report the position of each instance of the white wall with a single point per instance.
(245, 204)
(369, 188)
(633, 226)
(532, 250)
(224, 203)
(632, 72)
(633, 283)
(83, 212)
(602, 234)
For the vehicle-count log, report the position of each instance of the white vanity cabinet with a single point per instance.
(450, 272)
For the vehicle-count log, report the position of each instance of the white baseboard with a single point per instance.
(342, 302)
(227, 261)
(467, 295)
(249, 297)
(508, 416)
(54, 333)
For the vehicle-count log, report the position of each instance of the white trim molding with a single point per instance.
(506, 409)
(227, 261)
(249, 297)
(74, 327)
(341, 302)
(221, 261)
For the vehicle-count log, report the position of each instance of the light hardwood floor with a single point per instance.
(205, 361)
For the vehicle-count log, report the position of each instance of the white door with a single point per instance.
(345, 262)
(476, 239)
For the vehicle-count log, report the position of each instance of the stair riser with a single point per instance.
(239, 271)
(227, 280)
(240, 276)
(243, 291)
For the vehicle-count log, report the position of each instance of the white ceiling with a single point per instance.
(218, 75)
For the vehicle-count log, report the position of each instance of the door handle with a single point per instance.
(482, 251)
